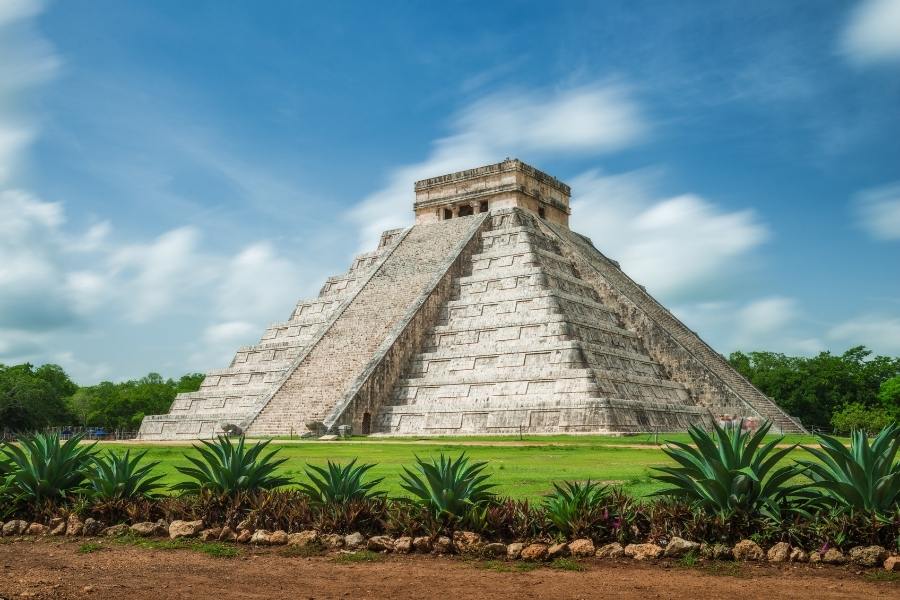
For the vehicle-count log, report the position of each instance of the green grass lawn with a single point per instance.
(521, 469)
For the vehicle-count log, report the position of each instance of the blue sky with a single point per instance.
(175, 175)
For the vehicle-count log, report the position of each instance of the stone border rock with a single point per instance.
(463, 542)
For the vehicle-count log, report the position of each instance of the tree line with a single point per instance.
(37, 398)
(853, 390)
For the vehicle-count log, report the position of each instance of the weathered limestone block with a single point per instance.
(37, 529)
(442, 545)
(643, 551)
(868, 556)
(115, 530)
(535, 552)
(332, 541)
(422, 544)
(780, 552)
(278, 538)
(74, 526)
(678, 547)
(92, 527)
(184, 529)
(380, 543)
(558, 550)
(747, 550)
(582, 547)
(15, 527)
(799, 555)
(211, 534)
(716, 551)
(145, 529)
(612, 550)
(303, 538)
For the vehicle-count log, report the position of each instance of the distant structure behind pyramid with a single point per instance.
(488, 316)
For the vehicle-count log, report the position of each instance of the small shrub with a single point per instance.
(450, 489)
(366, 516)
(729, 472)
(227, 468)
(508, 519)
(575, 508)
(40, 469)
(339, 484)
(857, 416)
(122, 477)
(864, 477)
(407, 517)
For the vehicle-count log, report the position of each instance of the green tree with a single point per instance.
(33, 398)
(190, 382)
(889, 396)
(815, 388)
(856, 416)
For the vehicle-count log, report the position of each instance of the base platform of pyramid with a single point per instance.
(488, 316)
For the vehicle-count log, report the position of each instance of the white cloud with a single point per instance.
(872, 34)
(672, 245)
(878, 211)
(157, 272)
(881, 333)
(591, 119)
(54, 281)
(257, 284)
(773, 323)
(228, 332)
(26, 60)
(16, 10)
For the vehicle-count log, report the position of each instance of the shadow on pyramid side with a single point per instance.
(488, 316)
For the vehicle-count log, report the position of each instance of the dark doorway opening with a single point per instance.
(465, 211)
(448, 214)
(541, 213)
(366, 424)
(483, 207)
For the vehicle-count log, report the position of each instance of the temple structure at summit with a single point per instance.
(487, 316)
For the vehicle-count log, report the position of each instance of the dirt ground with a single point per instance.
(56, 569)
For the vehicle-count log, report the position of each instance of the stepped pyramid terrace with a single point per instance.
(487, 316)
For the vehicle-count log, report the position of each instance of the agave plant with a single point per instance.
(39, 468)
(339, 484)
(575, 507)
(450, 489)
(863, 477)
(226, 468)
(730, 471)
(121, 476)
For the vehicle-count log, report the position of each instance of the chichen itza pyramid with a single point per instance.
(488, 316)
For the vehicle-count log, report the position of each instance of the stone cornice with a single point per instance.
(502, 167)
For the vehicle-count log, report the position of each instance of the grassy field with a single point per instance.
(522, 468)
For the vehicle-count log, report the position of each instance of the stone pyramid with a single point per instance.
(488, 316)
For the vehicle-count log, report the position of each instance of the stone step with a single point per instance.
(318, 383)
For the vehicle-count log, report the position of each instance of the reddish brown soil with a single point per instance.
(55, 569)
